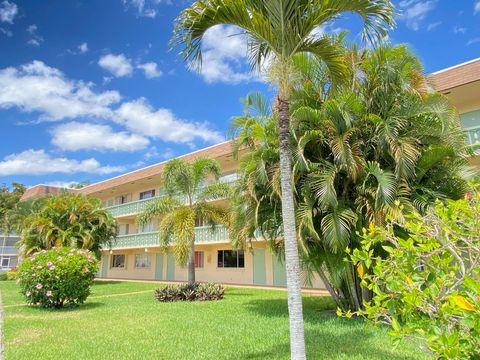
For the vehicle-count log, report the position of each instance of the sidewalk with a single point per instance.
(314, 292)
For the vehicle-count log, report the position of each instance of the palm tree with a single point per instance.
(65, 220)
(276, 31)
(187, 200)
(377, 146)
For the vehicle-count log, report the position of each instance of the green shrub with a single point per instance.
(57, 277)
(3, 277)
(11, 275)
(429, 286)
(186, 292)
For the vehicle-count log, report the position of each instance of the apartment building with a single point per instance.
(136, 253)
(8, 252)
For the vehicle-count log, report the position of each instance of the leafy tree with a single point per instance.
(276, 32)
(67, 220)
(429, 286)
(9, 197)
(378, 145)
(187, 201)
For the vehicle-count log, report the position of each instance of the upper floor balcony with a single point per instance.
(129, 208)
(203, 235)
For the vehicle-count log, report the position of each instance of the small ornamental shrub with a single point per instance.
(428, 287)
(57, 277)
(12, 275)
(186, 292)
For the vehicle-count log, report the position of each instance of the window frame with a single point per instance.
(149, 261)
(118, 267)
(143, 193)
(201, 259)
(238, 252)
(8, 258)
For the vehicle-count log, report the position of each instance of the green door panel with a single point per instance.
(279, 273)
(259, 273)
(170, 266)
(159, 267)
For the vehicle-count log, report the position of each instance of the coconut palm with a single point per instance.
(66, 220)
(376, 147)
(187, 201)
(276, 31)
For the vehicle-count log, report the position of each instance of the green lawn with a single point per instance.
(247, 324)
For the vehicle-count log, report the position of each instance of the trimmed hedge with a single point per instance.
(186, 292)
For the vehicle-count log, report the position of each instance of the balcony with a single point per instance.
(203, 235)
(134, 207)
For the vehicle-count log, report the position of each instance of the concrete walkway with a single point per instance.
(314, 292)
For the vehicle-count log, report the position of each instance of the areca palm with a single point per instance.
(187, 201)
(368, 150)
(66, 220)
(276, 31)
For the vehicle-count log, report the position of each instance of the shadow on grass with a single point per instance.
(69, 308)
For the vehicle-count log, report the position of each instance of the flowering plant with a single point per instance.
(57, 277)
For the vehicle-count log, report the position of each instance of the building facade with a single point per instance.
(136, 253)
(8, 252)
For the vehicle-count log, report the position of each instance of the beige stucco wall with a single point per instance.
(209, 273)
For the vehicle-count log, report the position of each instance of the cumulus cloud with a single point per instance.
(476, 7)
(76, 136)
(35, 39)
(150, 70)
(415, 11)
(83, 48)
(60, 98)
(224, 56)
(145, 8)
(38, 162)
(139, 117)
(118, 65)
(8, 11)
(433, 26)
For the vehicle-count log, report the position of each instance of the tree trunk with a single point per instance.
(191, 264)
(292, 263)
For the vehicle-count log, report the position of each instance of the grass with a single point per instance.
(247, 324)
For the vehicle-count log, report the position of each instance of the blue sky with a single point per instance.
(89, 89)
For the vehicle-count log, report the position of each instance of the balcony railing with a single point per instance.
(134, 207)
(203, 234)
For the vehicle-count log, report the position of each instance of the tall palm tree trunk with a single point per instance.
(292, 264)
(191, 264)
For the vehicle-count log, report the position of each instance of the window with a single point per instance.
(5, 262)
(122, 229)
(142, 261)
(148, 227)
(231, 259)
(199, 259)
(147, 194)
(110, 203)
(118, 261)
(122, 199)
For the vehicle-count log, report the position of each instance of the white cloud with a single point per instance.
(118, 65)
(8, 11)
(473, 41)
(150, 70)
(415, 11)
(476, 7)
(225, 56)
(38, 162)
(141, 118)
(76, 136)
(35, 39)
(459, 30)
(62, 184)
(6, 32)
(36, 87)
(83, 48)
(434, 25)
(146, 8)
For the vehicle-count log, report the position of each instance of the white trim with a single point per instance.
(455, 66)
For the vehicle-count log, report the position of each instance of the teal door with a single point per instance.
(170, 266)
(259, 273)
(105, 261)
(159, 267)
(279, 273)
